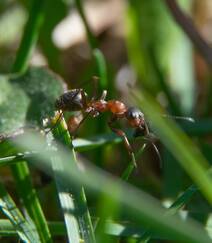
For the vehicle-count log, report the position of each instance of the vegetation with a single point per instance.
(85, 187)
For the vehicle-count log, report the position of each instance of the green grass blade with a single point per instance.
(130, 168)
(7, 229)
(183, 199)
(30, 199)
(30, 36)
(91, 39)
(102, 68)
(112, 228)
(72, 200)
(67, 204)
(26, 230)
(174, 208)
(138, 206)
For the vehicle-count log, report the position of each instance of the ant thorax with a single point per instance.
(96, 107)
(116, 107)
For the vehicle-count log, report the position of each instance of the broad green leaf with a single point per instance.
(28, 98)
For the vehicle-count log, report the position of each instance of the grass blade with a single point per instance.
(101, 67)
(26, 230)
(175, 206)
(78, 224)
(91, 39)
(30, 199)
(139, 206)
(30, 36)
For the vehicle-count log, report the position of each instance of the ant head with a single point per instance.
(135, 117)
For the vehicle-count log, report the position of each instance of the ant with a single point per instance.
(76, 100)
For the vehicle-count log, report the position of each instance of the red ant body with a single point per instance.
(76, 100)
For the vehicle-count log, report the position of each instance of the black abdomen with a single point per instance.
(71, 100)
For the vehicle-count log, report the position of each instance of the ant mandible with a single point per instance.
(76, 100)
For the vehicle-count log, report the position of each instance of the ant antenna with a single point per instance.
(148, 138)
(185, 118)
(156, 149)
(158, 154)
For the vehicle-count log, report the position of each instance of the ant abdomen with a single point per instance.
(71, 100)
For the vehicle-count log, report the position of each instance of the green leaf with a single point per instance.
(28, 98)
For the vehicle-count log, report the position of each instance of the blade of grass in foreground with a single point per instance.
(118, 229)
(178, 143)
(57, 228)
(140, 207)
(26, 230)
(72, 200)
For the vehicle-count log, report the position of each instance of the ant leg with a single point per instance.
(122, 134)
